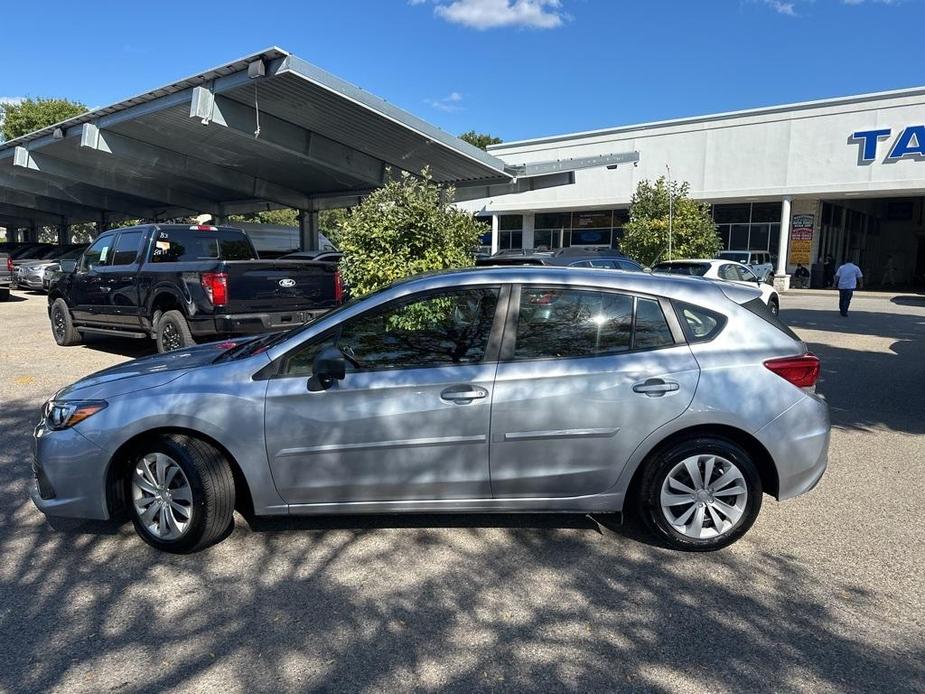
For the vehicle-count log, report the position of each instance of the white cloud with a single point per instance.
(11, 99)
(451, 102)
(494, 14)
(780, 7)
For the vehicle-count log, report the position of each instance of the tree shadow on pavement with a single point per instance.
(869, 382)
(556, 604)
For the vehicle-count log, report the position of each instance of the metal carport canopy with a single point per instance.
(265, 131)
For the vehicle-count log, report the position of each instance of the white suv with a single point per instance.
(759, 262)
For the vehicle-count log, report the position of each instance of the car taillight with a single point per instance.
(9, 264)
(338, 287)
(216, 286)
(203, 227)
(802, 371)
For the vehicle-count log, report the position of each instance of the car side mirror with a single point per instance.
(329, 366)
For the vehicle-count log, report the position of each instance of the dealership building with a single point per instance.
(840, 177)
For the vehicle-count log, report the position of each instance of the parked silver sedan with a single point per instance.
(503, 389)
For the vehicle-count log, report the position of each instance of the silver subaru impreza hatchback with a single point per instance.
(489, 390)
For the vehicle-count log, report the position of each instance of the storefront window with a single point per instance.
(511, 222)
(731, 214)
(592, 220)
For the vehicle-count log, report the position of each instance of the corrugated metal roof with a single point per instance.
(293, 97)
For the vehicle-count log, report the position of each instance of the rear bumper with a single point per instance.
(251, 323)
(798, 441)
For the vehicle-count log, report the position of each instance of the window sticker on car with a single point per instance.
(103, 253)
(161, 247)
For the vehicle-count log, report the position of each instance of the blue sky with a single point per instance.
(515, 68)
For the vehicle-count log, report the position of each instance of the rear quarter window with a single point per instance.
(699, 324)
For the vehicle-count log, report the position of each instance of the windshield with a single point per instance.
(696, 269)
(739, 257)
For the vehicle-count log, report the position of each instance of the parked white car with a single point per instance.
(720, 269)
(758, 261)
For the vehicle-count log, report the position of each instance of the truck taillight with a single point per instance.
(216, 286)
(338, 287)
(801, 371)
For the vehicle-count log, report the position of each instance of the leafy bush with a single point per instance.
(645, 237)
(407, 227)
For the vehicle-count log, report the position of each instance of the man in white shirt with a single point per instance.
(848, 277)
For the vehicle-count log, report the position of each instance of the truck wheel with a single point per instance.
(181, 493)
(62, 327)
(172, 332)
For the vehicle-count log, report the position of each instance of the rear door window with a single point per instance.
(190, 245)
(127, 247)
(555, 323)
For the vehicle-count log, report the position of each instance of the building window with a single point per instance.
(748, 226)
(511, 222)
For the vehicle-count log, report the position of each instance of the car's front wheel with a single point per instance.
(181, 493)
(774, 306)
(700, 494)
(62, 326)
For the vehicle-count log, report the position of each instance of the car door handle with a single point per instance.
(463, 393)
(655, 387)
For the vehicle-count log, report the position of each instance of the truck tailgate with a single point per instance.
(279, 285)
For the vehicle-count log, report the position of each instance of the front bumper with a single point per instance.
(251, 323)
(27, 280)
(69, 475)
(798, 441)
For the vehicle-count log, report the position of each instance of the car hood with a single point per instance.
(144, 373)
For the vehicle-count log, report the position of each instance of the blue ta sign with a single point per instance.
(909, 143)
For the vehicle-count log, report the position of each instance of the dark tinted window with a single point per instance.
(700, 324)
(696, 269)
(127, 248)
(651, 327)
(182, 245)
(440, 329)
(572, 323)
(628, 265)
(98, 254)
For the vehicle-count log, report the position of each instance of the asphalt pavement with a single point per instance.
(825, 593)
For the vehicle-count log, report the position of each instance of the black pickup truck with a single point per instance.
(179, 284)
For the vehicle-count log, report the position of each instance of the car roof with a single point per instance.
(671, 286)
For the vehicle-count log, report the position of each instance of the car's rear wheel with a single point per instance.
(172, 332)
(62, 327)
(700, 494)
(181, 493)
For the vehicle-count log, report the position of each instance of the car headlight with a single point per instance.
(63, 414)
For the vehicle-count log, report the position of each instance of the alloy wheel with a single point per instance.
(162, 496)
(170, 337)
(704, 496)
(58, 322)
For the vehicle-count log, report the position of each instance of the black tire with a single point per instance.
(774, 306)
(172, 332)
(213, 492)
(657, 469)
(62, 326)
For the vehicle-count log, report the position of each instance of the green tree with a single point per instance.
(32, 114)
(480, 140)
(645, 237)
(406, 227)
